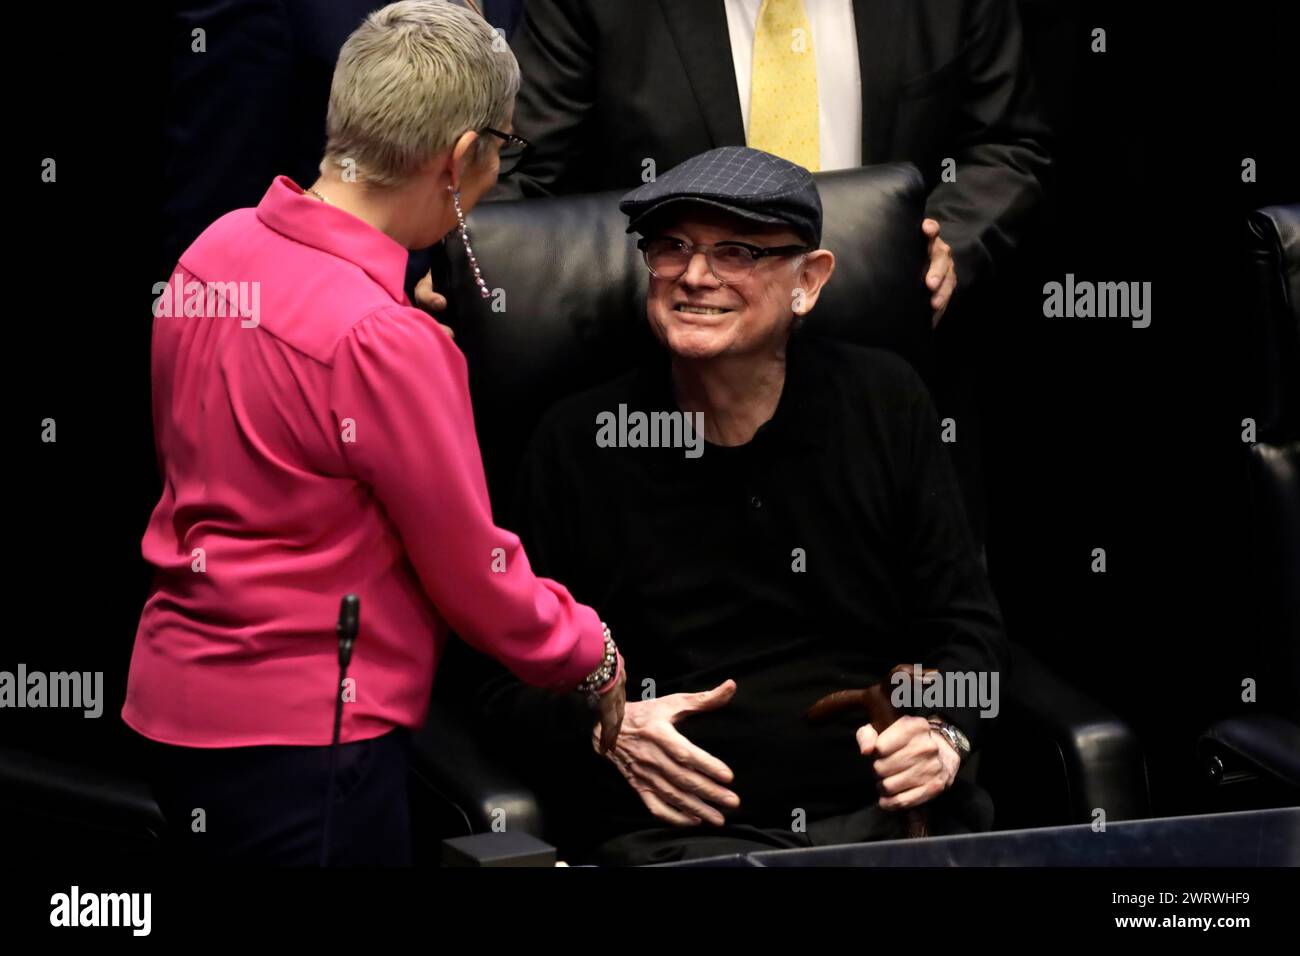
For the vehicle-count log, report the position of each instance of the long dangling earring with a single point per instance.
(469, 250)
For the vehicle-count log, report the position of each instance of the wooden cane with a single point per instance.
(881, 713)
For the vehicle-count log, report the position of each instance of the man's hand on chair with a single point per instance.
(941, 276)
(431, 300)
(913, 764)
(677, 781)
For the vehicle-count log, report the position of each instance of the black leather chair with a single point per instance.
(72, 809)
(1252, 758)
(568, 312)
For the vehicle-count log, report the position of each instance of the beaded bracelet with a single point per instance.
(600, 678)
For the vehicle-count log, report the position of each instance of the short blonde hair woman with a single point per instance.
(328, 448)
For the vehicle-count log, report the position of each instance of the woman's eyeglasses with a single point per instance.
(669, 258)
(513, 150)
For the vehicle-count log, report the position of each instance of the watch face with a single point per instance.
(956, 739)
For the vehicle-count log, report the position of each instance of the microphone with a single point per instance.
(349, 623)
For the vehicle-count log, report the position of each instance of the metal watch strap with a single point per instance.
(956, 739)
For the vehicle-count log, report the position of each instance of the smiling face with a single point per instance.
(696, 316)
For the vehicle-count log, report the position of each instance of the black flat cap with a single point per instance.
(749, 183)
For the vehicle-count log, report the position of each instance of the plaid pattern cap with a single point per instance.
(747, 182)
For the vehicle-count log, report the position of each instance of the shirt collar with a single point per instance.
(288, 210)
(801, 416)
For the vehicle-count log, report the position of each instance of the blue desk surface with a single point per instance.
(1251, 838)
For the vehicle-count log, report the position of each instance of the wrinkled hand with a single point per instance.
(431, 301)
(913, 763)
(677, 781)
(941, 277)
(611, 706)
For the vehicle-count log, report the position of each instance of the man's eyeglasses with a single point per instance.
(732, 261)
(512, 151)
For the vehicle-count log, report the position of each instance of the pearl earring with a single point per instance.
(469, 250)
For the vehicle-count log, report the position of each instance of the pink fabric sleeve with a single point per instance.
(404, 384)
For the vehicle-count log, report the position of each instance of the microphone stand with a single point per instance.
(348, 623)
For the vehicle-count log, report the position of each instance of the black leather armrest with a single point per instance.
(1255, 745)
(37, 786)
(478, 783)
(1058, 754)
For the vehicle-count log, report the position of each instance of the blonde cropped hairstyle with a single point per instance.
(409, 81)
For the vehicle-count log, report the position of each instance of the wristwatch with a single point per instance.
(956, 739)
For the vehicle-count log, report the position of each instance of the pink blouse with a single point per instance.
(315, 438)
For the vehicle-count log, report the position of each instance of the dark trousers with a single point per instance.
(266, 805)
(962, 808)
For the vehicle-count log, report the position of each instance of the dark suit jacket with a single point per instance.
(610, 83)
(250, 108)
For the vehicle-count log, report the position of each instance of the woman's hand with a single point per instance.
(611, 707)
(431, 301)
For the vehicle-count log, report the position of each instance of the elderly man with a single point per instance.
(811, 541)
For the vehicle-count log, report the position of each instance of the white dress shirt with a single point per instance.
(839, 86)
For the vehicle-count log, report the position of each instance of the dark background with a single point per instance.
(1100, 435)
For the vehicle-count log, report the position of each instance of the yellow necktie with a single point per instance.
(783, 87)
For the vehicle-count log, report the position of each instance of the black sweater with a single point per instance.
(827, 549)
